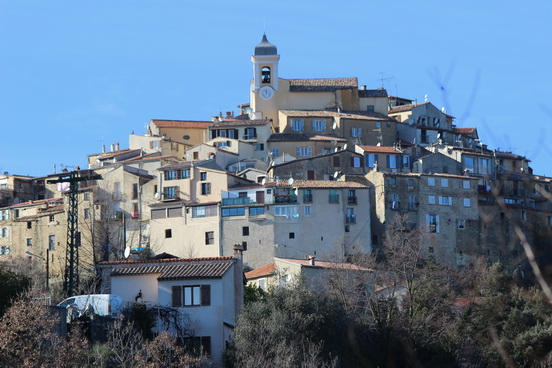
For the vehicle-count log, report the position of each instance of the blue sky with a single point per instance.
(76, 74)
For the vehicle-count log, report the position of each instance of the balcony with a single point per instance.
(352, 200)
(285, 198)
(249, 137)
(237, 201)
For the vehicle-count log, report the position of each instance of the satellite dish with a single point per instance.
(263, 182)
(345, 147)
(335, 175)
(156, 195)
(336, 149)
(290, 181)
(127, 252)
(379, 144)
(334, 126)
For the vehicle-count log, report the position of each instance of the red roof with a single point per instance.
(382, 149)
(464, 130)
(182, 124)
(265, 270)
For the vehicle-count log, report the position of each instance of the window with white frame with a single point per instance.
(285, 211)
(467, 202)
(304, 151)
(431, 199)
(319, 125)
(431, 182)
(444, 183)
(191, 296)
(445, 201)
(297, 125)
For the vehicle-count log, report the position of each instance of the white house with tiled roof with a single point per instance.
(182, 131)
(209, 291)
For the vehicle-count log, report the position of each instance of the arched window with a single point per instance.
(265, 74)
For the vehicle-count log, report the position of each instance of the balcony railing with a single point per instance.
(352, 200)
(285, 198)
(248, 137)
(237, 201)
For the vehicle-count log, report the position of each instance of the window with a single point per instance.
(461, 224)
(297, 125)
(209, 237)
(466, 184)
(395, 202)
(253, 211)
(205, 188)
(51, 242)
(356, 162)
(174, 212)
(307, 196)
(29, 242)
(356, 132)
(469, 164)
(444, 183)
(86, 214)
(524, 215)
(411, 202)
(259, 147)
(203, 176)
(285, 211)
(431, 182)
(275, 152)
(29, 225)
(350, 216)
(319, 125)
(158, 214)
(233, 211)
(432, 223)
(168, 233)
(410, 182)
(378, 125)
(392, 162)
(245, 231)
(334, 196)
(304, 151)
(431, 199)
(292, 235)
(549, 220)
(244, 245)
(351, 197)
(53, 217)
(308, 210)
(393, 181)
(189, 296)
(7, 249)
(371, 159)
(467, 202)
(445, 201)
(169, 192)
(204, 211)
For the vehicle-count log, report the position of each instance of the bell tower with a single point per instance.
(264, 86)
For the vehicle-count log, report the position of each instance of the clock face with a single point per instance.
(267, 93)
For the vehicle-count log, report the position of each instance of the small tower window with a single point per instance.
(265, 74)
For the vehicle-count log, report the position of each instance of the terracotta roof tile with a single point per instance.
(325, 184)
(464, 130)
(325, 264)
(182, 124)
(382, 149)
(344, 114)
(322, 84)
(239, 122)
(265, 270)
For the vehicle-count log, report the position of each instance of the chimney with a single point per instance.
(116, 146)
(103, 148)
(228, 114)
(363, 88)
(311, 260)
(112, 148)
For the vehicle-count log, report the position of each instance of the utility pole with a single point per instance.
(71, 278)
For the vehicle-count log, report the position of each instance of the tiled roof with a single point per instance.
(326, 184)
(265, 270)
(299, 137)
(239, 122)
(382, 149)
(404, 108)
(169, 271)
(177, 165)
(166, 260)
(49, 202)
(380, 92)
(464, 130)
(323, 84)
(109, 155)
(344, 114)
(324, 264)
(182, 124)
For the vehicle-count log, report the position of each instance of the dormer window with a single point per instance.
(265, 75)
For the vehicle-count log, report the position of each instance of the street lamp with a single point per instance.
(47, 265)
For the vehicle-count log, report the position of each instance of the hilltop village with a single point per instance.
(308, 173)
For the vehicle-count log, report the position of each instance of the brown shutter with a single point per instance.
(177, 296)
(205, 294)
